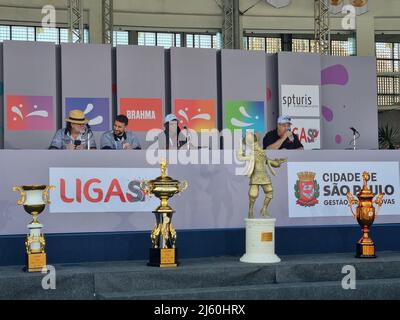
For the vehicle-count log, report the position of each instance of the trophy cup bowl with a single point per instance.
(365, 215)
(163, 235)
(164, 188)
(34, 199)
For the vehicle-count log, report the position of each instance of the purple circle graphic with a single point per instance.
(327, 113)
(338, 139)
(336, 74)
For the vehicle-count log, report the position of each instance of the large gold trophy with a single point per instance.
(163, 235)
(34, 199)
(365, 215)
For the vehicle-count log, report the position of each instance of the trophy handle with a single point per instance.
(352, 202)
(45, 196)
(379, 202)
(144, 185)
(183, 186)
(22, 193)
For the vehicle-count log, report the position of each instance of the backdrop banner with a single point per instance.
(100, 190)
(320, 188)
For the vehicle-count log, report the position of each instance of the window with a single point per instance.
(256, 43)
(48, 35)
(64, 36)
(23, 33)
(163, 39)
(5, 33)
(146, 38)
(339, 47)
(267, 44)
(343, 48)
(301, 45)
(175, 39)
(120, 37)
(203, 41)
(388, 61)
(273, 45)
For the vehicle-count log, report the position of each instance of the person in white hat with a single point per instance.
(77, 134)
(171, 138)
(282, 137)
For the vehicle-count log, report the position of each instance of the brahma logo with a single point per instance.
(143, 114)
(100, 190)
(306, 189)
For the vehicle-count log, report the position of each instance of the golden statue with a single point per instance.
(257, 172)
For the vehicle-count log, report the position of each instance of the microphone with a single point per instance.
(187, 136)
(291, 138)
(354, 130)
(89, 135)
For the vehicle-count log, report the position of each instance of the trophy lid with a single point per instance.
(164, 178)
(366, 191)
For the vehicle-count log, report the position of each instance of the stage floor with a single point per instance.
(296, 277)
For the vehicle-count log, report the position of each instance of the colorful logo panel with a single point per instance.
(143, 114)
(196, 114)
(245, 115)
(33, 113)
(97, 110)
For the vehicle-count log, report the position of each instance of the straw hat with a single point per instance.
(77, 116)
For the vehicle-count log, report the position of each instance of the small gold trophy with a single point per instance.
(163, 235)
(365, 215)
(34, 199)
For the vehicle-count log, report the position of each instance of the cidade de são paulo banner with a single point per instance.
(101, 190)
(318, 189)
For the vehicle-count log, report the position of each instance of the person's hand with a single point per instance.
(81, 147)
(287, 134)
(127, 146)
(70, 146)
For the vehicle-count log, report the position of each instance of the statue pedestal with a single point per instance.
(260, 241)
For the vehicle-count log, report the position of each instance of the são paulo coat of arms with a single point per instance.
(306, 189)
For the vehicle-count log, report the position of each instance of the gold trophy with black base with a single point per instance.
(365, 215)
(34, 199)
(163, 236)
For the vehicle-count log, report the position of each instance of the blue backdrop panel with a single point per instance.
(86, 83)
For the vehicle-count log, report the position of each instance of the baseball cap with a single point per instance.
(170, 117)
(284, 120)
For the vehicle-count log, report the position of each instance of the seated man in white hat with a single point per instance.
(282, 137)
(76, 136)
(171, 138)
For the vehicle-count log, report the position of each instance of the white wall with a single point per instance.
(203, 15)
